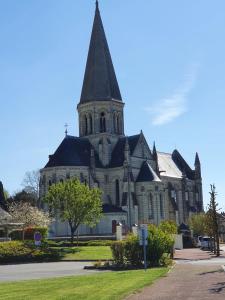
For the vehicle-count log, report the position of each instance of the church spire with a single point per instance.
(100, 81)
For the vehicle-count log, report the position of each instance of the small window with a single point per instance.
(150, 207)
(106, 179)
(117, 192)
(49, 182)
(197, 197)
(186, 196)
(102, 122)
(161, 206)
(174, 195)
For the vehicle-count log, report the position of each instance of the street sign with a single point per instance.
(143, 235)
(37, 238)
(143, 240)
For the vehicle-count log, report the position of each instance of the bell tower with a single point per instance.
(101, 107)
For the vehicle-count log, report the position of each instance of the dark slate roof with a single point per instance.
(182, 165)
(73, 151)
(146, 173)
(100, 81)
(108, 208)
(118, 152)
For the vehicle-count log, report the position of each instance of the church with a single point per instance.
(139, 183)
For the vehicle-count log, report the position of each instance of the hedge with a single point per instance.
(20, 252)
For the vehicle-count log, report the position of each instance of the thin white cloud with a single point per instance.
(169, 108)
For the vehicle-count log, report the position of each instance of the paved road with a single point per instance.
(196, 276)
(42, 270)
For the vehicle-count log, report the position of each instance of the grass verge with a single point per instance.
(112, 285)
(86, 253)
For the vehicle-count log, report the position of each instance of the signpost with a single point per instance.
(143, 240)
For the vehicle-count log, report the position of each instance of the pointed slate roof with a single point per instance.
(197, 160)
(117, 159)
(100, 81)
(147, 173)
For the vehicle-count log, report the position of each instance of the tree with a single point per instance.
(213, 222)
(168, 226)
(75, 203)
(24, 212)
(2, 197)
(31, 184)
(198, 223)
(22, 196)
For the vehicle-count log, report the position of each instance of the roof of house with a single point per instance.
(4, 216)
(100, 83)
(147, 173)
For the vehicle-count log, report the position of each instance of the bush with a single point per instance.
(19, 252)
(168, 226)
(118, 253)
(129, 252)
(132, 251)
(159, 243)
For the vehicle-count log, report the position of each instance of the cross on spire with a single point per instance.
(66, 127)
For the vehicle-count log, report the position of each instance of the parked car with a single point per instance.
(199, 241)
(206, 243)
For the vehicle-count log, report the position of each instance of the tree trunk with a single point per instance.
(72, 234)
(217, 244)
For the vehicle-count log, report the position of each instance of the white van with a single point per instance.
(199, 241)
(205, 243)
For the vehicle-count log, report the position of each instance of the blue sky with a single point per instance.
(169, 61)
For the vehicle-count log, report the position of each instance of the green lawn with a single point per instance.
(86, 253)
(111, 285)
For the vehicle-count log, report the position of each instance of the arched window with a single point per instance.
(102, 122)
(150, 207)
(49, 183)
(90, 124)
(85, 125)
(118, 123)
(117, 192)
(161, 206)
(115, 123)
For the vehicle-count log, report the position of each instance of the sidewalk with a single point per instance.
(188, 281)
